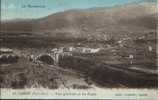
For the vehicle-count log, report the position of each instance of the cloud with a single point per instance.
(11, 6)
(145, 1)
(8, 7)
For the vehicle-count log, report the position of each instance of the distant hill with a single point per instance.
(96, 23)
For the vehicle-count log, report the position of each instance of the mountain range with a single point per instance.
(94, 23)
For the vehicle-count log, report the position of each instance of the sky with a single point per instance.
(24, 9)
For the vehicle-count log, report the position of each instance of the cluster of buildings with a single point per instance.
(54, 54)
(76, 50)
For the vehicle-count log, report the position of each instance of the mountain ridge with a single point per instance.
(91, 23)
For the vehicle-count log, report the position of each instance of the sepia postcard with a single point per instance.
(79, 49)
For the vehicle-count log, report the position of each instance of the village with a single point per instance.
(125, 55)
(6, 54)
(9, 54)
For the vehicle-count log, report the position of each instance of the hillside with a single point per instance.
(96, 23)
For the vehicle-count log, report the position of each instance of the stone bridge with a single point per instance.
(55, 56)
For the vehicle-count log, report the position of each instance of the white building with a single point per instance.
(6, 50)
(150, 48)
